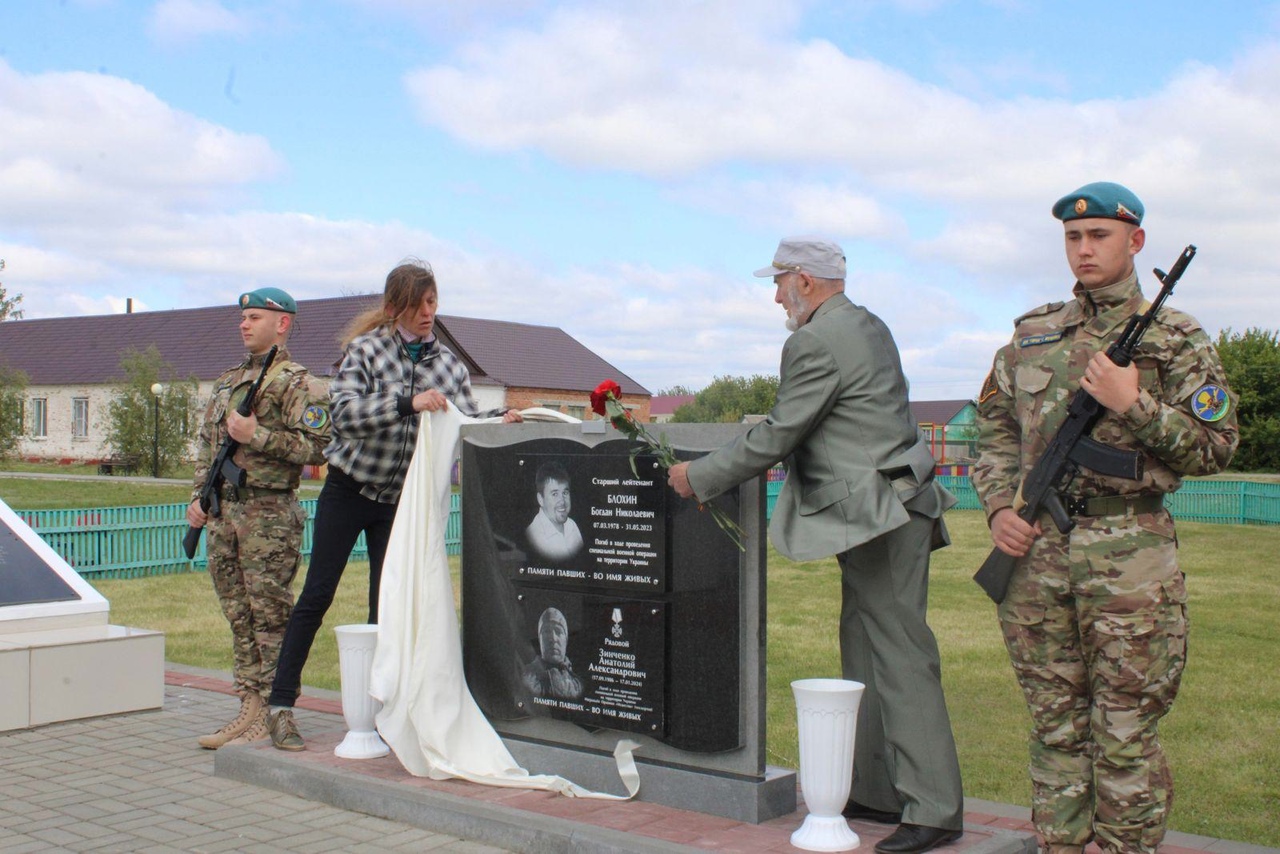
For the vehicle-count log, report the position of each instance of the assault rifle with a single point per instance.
(1073, 448)
(224, 470)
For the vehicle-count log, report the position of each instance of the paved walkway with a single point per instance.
(139, 783)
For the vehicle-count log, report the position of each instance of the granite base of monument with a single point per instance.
(60, 659)
(740, 798)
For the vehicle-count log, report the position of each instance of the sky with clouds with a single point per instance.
(618, 169)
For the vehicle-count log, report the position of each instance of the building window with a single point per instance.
(578, 412)
(39, 417)
(79, 417)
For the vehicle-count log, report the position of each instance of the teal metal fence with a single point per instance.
(1231, 502)
(129, 542)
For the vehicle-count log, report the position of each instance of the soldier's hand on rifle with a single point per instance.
(196, 517)
(1114, 387)
(1011, 534)
(241, 427)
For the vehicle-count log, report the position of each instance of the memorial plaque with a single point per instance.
(645, 584)
(600, 660)
(576, 519)
(25, 578)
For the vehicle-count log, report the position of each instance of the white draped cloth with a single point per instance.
(428, 716)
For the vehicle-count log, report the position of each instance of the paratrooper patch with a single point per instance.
(315, 416)
(1210, 403)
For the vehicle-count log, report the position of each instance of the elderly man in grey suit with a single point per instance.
(859, 486)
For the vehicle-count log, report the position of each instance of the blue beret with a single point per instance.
(1100, 199)
(269, 298)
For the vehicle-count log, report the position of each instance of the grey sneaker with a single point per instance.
(284, 731)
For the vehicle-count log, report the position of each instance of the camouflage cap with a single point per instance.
(269, 298)
(1101, 199)
(815, 256)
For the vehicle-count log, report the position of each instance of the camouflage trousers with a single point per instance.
(253, 550)
(1095, 622)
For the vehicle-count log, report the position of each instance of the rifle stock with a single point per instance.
(994, 574)
(223, 465)
(1072, 446)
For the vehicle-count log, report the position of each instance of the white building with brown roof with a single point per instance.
(73, 364)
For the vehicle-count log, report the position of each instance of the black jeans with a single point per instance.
(342, 513)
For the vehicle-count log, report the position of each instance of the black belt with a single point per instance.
(1112, 505)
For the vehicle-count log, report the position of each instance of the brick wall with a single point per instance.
(575, 403)
(61, 444)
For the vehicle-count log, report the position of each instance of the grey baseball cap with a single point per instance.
(813, 255)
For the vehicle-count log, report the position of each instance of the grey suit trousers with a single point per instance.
(904, 752)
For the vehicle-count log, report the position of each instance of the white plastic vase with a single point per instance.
(826, 718)
(355, 662)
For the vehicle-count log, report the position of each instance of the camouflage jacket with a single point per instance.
(1183, 423)
(292, 408)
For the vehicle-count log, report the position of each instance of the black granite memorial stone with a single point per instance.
(25, 578)
(645, 584)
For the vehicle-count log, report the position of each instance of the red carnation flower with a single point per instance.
(600, 396)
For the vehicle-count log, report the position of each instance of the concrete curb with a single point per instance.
(440, 812)
(551, 823)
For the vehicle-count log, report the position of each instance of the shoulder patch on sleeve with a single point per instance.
(989, 387)
(315, 416)
(1210, 403)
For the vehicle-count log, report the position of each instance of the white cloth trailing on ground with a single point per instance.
(428, 716)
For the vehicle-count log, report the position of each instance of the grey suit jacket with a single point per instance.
(856, 460)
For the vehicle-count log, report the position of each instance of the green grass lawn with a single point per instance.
(1221, 735)
(41, 494)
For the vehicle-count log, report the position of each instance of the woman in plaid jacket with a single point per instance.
(393, 369)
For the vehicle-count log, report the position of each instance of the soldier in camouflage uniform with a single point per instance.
(253, 545)
(1095, 621)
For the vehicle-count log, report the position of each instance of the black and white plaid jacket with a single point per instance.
(374, 425)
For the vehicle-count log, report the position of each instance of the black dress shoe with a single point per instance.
(858, 812)
(915, 838)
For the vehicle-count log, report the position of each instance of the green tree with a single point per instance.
(8, 304)
(136, 427)
(675, 391)
(1252, 363)
(727, 399)
(13, 394)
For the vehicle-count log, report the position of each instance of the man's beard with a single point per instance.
(798, 309)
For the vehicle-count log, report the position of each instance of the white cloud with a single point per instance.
(175, 22)
(91, 149)
(108, 192)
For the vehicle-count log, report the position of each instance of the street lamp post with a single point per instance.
(156, 391)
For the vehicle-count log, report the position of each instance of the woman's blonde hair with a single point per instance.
(406, 285)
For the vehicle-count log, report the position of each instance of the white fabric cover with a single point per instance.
(428, 716)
